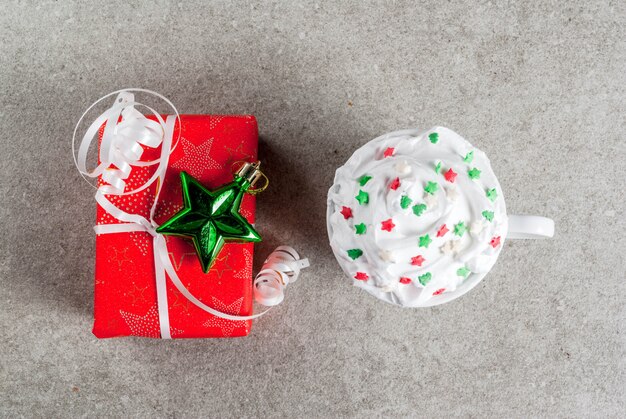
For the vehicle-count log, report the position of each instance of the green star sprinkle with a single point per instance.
(425, 241)
(474, 173)
(434, 137)
(363, 197)
(463, 272)
(405, 201)
(360, 228)
(431, 188)
(438, 167)
(364, 179)
(355, 253)
(460, 229)
(492, 194)
(419, 209)
(488, 215)
(425, 279)
(469, 157)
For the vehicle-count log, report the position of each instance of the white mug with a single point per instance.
(418, 218)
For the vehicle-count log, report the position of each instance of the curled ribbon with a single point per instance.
(281, 267)
(126, 131)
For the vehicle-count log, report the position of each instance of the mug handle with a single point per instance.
(530, 227)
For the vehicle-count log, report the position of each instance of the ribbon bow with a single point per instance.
(126, 132)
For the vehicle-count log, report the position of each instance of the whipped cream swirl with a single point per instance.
(416, 218)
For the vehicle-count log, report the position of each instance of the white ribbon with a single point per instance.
(126, 130)
(281, 267)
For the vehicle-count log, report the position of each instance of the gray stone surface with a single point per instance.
(538, 85)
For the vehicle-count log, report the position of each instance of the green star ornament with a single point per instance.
(211, 218)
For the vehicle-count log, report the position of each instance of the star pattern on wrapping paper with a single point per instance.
(237, 154)
(137, 294)
(214, 120)
(223, 260)
(120, 256)
(141, 240)
(146, 325)
(178, 262)
(227, 326)
(196, 159)
(246, 272)
(182, 302)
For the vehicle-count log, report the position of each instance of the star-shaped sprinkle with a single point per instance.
(425, 279)
(442, 231)
(452, 193)
(431, 201)
(389, 152)
(433, 137)
(405, 201)
(361, 276)
(450, 247)
(346, 212)
(387, 225)
(488, 215)
(474, 173)
(404, 280)
(417, 260)
(495, 242)
(360, 228)
(463, 272)
(492, 194)
(469, 157)
(439, 291)
(424, 241)
(395, 184)
(450, 175)
(364, 179)
(418, 209)
(477, 226)
(363, 197)
(355, 253)
(403, 167)
(460, 229)
(438, 167)
(386, 255)
(431, 188)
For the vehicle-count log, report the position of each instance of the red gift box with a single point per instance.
(125, 284)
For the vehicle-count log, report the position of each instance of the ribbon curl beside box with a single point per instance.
(127, 136)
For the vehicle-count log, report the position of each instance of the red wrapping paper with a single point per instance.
(125, 286)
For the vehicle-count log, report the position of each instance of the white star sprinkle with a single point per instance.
(476, 227)
(450, 247)
(386, 255)
(403, 167)
(452, 193)
(431, 201)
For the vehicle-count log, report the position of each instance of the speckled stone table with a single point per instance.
(539, 86)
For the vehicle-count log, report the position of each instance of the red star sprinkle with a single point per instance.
(388, 225)
(450, 175)
(495, 242)
(442, 231)
(395, 184)
(405, 280)
(439, 291)
(389, 152)
(417, 260)
(346, 212)
(361, 276)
